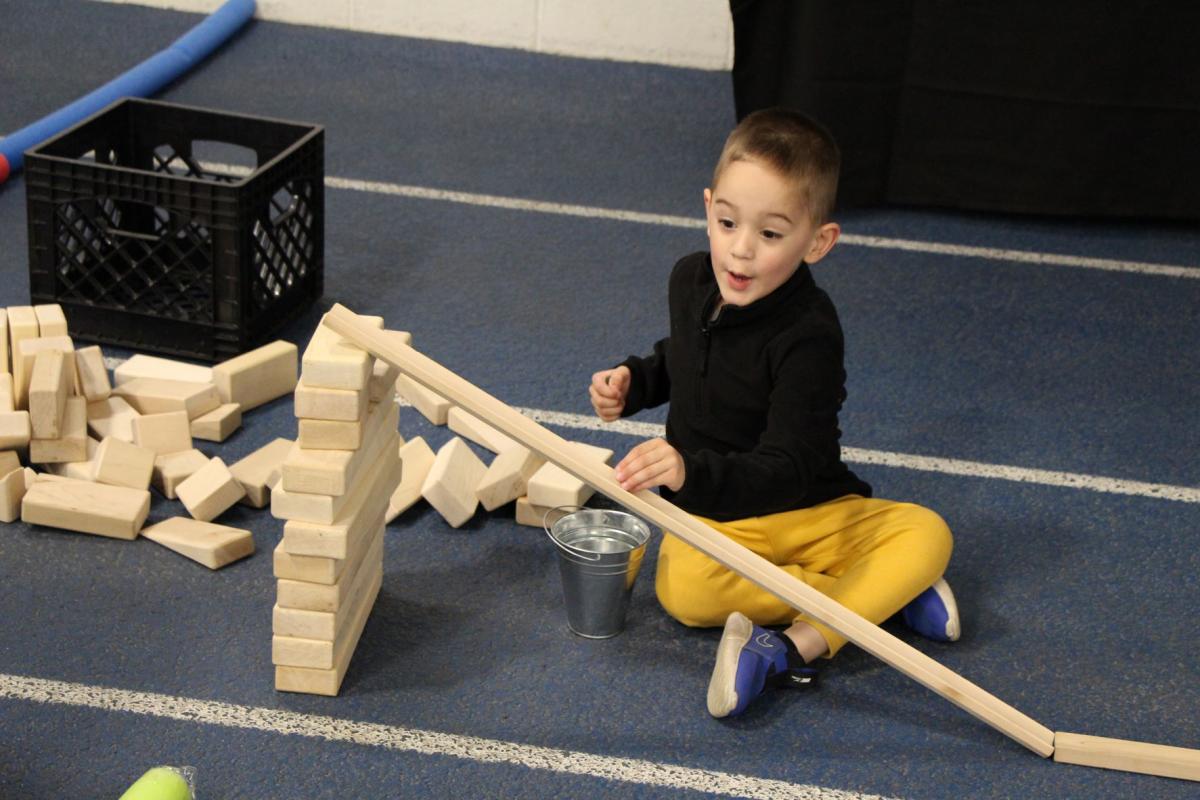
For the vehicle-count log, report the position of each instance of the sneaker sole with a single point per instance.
(953, 626)
(722, 694)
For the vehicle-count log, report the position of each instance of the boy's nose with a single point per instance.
(743, 247)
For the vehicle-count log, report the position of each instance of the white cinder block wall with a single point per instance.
(684, 33)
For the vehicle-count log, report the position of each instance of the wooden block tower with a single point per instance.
(333, 491)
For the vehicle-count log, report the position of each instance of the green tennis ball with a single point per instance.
(160, 783)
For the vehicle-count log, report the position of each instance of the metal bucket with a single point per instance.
(599, 555)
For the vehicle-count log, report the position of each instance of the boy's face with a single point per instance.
(759, 232)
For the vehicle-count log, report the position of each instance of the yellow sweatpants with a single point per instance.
(871, 555)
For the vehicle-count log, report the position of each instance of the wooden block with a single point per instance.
(316, 652)
(168, 432)
(84, 470)
(257, 471)
(327, 434)
(49, 387)
(30, 477)
(537, 516)
(383, 374)
(450, 485)
(144, 366)
(15, 431)
(111, 416)
(119, 463)
(22, 325)
(345, 535)
(72, 444)
(12, 489)
(218, 424)
(468, 426)
(257, 377)
(51, 320)
(1151, 759)
(6, 390)
(507, 477)
(553, 486)
(9, 460)
(209, 491)
(328, 682)
(159, 396)
(323, 626)
(172, 469)
(318, 402)
(206, 543)
(310, 569)
(86, 507)
(93, 375)
(24, 356)
(330, 362)
(322, 508)
(332, 472)
(383, 382)
(432, 405)
(332, 597)
(417, 458)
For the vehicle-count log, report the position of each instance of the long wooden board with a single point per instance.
(1151, 759)
(652, 507)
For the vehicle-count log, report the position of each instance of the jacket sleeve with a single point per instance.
(650, 384)
(799, 442)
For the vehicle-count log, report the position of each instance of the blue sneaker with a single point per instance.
(934, 614)
(749, 659)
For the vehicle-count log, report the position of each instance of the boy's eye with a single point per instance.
(727, 224)
(772, 235)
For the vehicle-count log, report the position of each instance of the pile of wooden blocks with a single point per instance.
(333, 492)
(102, 443)
(456, 482)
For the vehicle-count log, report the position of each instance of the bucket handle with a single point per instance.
(571, 551)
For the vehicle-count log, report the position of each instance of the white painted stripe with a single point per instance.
(977, 469)
(1022, 256)
(946, 466)
(877, 242)
(413, 740)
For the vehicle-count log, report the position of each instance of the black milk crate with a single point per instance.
(150, 239)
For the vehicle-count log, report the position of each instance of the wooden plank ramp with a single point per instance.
(870, 637)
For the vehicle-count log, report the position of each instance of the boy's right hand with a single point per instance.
(608, 391)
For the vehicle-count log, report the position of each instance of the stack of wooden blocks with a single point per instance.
(102, 446)
(333, 492)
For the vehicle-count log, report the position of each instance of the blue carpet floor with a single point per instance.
(1076, 604)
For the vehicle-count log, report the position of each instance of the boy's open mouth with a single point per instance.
(738, 280)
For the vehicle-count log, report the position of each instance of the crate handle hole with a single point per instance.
(223, 159)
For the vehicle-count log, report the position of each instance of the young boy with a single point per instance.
(753, 372)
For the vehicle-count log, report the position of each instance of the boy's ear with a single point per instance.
(707, 200)
(826, 237)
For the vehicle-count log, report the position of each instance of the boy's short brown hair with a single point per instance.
(798, 147)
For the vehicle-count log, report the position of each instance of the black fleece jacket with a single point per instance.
(754, 394)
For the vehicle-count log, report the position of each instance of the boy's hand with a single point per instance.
(608, 391)
(651, 463)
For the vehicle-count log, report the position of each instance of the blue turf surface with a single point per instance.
(1076, 604)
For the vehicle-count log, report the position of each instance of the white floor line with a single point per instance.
(878, 242)
(413, 740)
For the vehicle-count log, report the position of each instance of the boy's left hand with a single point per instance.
(652, 463)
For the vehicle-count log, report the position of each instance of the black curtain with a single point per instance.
(1074, 108)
